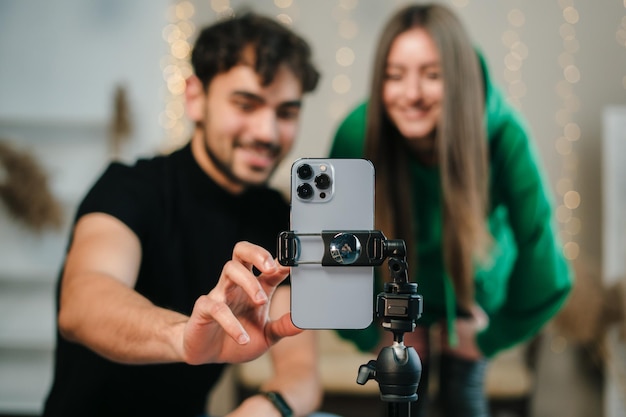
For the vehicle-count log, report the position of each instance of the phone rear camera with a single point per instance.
(322, 181)
(305, 171)
(305, 191)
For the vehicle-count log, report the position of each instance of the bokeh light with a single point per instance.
(283, 4)
(341, 84)
(345, 56)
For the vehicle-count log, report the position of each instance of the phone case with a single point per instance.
(337, 195)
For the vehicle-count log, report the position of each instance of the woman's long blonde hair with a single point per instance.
(460, 145)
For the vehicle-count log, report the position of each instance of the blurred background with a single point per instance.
(82, 82)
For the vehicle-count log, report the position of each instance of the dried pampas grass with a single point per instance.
(580, 319)
(592, 308)
(24, 189)
(120, 127)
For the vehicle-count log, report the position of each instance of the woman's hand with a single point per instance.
(466, 330)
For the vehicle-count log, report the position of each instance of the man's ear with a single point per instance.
(195, 97)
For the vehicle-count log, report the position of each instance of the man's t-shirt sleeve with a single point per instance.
(123, 193)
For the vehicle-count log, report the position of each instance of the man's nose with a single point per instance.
(265, 126)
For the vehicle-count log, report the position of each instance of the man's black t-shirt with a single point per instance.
(188, 227)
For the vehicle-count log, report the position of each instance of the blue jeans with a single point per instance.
(461, 389)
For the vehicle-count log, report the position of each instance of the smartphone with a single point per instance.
(336, 195)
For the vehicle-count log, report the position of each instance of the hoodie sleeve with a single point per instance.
(541, 278)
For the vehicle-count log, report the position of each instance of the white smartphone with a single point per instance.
(330, 195)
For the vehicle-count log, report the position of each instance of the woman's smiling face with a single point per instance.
(413, 89)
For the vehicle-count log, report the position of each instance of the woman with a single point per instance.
(459, 181)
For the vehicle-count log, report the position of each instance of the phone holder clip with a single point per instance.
(341, 248)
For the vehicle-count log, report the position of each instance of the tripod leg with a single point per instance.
(398, 409)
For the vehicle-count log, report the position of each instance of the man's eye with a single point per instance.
(289, 114)
(244, 105)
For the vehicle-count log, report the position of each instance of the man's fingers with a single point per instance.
(236, 273)
(249, 254)
(275, 277)
(283, 327)
(209, 310)
(239, 270)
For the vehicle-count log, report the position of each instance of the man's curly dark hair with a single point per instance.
(223, 45)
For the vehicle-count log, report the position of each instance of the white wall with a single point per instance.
(62, 59)
(60, 63)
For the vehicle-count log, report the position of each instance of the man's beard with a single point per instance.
(227, 170)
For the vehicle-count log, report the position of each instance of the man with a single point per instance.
(166, 277)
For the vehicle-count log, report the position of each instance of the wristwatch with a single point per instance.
(279, 402)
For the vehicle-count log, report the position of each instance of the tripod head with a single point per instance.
(399, 306)
(398, 368)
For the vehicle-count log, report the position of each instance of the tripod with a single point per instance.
(397, 368)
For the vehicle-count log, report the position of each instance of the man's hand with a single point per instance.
(231, 323)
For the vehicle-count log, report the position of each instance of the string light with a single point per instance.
(620, 37)
(222, 8)
(565, 143)
(617, 368)
(515, 57)
(283, 4)
(176, 69)
(341, 82)
(570, 133)
(288, 11)
(460, 3)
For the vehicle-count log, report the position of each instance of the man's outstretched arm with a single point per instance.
(100, 308)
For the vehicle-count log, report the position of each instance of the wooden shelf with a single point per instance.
(50, 129)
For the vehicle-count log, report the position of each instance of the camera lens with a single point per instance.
(305, 191)
(305, 171)
(322, 181)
